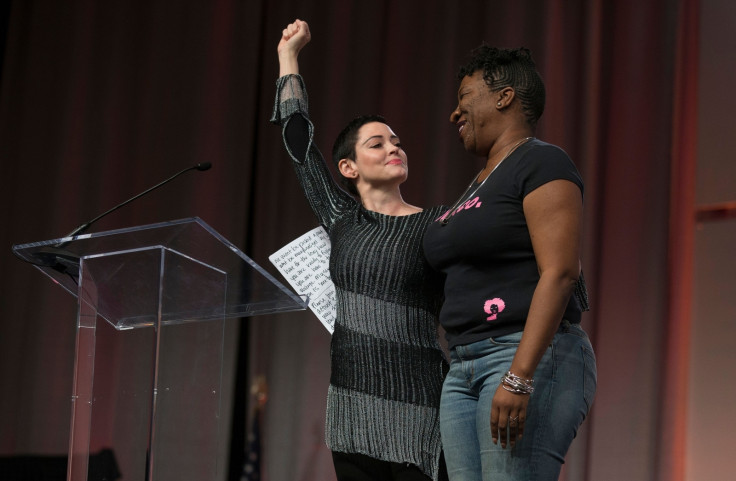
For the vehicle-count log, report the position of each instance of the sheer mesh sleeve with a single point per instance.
(327, 200)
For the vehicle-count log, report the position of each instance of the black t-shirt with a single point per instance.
(486, 252)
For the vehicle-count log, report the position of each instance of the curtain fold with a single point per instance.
(676, 366)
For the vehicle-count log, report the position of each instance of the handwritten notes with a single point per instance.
(305, 264)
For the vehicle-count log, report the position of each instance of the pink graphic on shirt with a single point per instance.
(474, 202)
(494, 307)
(442, 217)
(468, 204)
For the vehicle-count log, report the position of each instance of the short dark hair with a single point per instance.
(344, 146)
(514, 68)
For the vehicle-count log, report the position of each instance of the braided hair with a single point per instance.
(509, 68)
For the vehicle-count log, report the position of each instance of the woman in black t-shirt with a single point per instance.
(522, 373)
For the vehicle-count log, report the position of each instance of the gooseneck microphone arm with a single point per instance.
(83, 228)
(64, 261)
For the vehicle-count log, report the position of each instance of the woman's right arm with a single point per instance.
(293, 38)
(291, 112)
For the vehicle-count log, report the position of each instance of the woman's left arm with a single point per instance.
(554, 216)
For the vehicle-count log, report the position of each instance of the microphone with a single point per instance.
(83, 228)
(67, 262)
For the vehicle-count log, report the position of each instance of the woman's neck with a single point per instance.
(387, 202)
(502, 149)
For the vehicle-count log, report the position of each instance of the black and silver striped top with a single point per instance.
(387, 364)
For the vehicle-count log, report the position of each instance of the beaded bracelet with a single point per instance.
(517, 385)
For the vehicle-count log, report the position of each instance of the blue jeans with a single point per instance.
(565, 382)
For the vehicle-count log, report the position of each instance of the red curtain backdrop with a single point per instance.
(101, 100)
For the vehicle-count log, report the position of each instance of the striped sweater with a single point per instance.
(387, 366)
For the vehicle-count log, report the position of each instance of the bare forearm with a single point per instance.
(293, 38)
(288, 63)
(547, 308)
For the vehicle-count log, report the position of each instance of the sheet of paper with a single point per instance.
(305, 264)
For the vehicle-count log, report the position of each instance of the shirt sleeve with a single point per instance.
(327, 200)
(544, 163)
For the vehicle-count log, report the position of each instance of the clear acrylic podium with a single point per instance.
(147, 382)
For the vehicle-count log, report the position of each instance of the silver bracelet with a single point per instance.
(517, 385)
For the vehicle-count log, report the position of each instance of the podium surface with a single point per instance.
(250, 291)
(147, 381)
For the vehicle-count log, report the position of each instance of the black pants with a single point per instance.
(359, 467)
